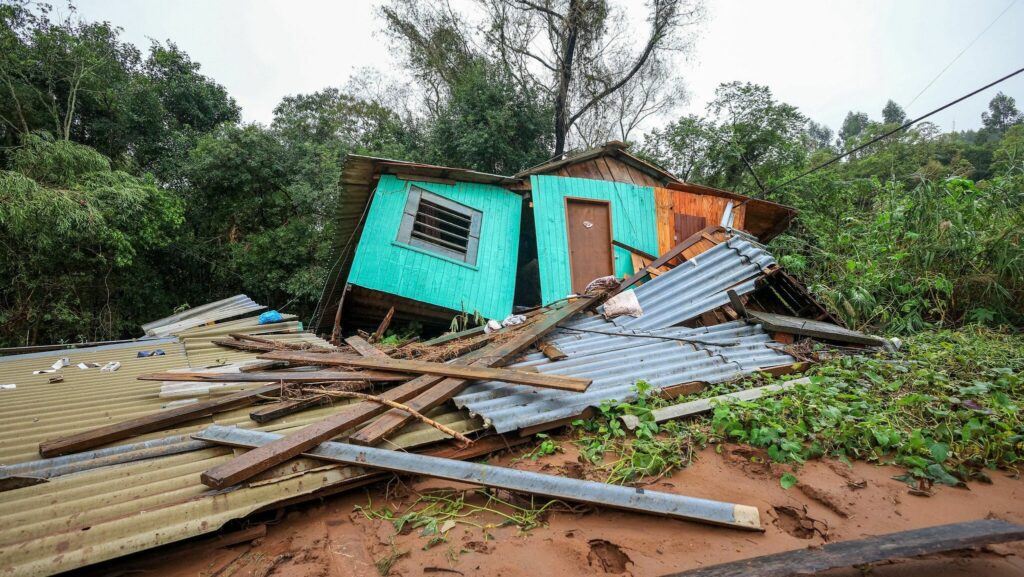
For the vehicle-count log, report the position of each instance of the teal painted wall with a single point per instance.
(383, 264)
(633, 223)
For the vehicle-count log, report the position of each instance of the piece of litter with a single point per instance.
(513, 320)
(57, 379)
(110, 367)
(88, 365)
(8, 387)
(624, 303)
(156, 353)
(491, 326)
(61, 363)
(446, 526)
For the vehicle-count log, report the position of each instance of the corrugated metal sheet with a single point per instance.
(383, 264)
(95, 506)
(210, 312)
(615, 363)
(633, 222)
(649, 347)
(699, 285)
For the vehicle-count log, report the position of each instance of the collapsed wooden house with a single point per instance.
(434, 241)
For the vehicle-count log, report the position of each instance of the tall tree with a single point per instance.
(1002, 114)
(853, 125)
(577, 52)
(893, 113)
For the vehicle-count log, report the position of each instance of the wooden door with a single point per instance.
(688, 225)
(589, 223)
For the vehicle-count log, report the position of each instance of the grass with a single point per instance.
(435, 513)
(946, 409)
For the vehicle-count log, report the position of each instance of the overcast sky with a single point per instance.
(824, 57)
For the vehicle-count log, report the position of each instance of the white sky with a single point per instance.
(823, 56)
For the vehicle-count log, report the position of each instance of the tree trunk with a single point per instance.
(565, 76)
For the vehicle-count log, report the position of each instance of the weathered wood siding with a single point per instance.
(633, 223)
(383, 264)
(672, 202)
(608, 168)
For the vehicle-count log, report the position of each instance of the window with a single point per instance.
(440, 225)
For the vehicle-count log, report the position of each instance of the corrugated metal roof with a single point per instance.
(615, 363)
(200, 315)
(699, 284)
(95, 506)
(648, 347)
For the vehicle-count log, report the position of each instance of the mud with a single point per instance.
(832, 502)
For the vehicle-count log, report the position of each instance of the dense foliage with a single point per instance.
(946, 408)
(129, 186)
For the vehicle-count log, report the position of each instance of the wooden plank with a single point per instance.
(258, 460)
(153, 422)
(452, 336)
(475, 373)
(364, 348)
(551, 351)
(914, 543)
(276, 376)
(810, 328)
(636, 251)
(284, 408)
(384, 324)
(394, 419)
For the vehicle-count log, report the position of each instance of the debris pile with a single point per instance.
(710, 310)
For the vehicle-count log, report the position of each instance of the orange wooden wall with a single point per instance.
(671, 202)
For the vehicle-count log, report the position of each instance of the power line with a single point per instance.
(906, 125)
(966, 48)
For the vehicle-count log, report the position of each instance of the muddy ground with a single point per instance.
(832, 502)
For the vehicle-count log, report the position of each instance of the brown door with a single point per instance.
(590, 240)
(687, 226)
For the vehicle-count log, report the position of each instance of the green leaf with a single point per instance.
(788, 480)
(939, 451)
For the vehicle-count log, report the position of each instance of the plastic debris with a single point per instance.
(624, 303)
(84, 366)
(491, 326)
(110, 367)
(56, 366)
(271, 317)
(156, 353)
(8, 387)
(513, 320)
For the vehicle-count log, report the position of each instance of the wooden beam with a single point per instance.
(551, 351)
(272, 454)
(284, 408)
(394, 419)
(153, 422)
(474, 373)
(914, 543)
(277, 376)
(384, 324)
(636, 251)
(364, 348)
(452, 336)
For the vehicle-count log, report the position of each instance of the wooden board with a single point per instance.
(446, 370)
(153, 422)
(811, 561)
(589, 224)
(258, 460)
(817, 329)
(276, 376)
(395, 419)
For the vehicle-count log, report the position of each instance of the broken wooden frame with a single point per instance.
(421, 394)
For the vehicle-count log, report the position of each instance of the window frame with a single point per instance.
(412, 205)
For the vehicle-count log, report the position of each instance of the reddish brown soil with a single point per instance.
(833, 502)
